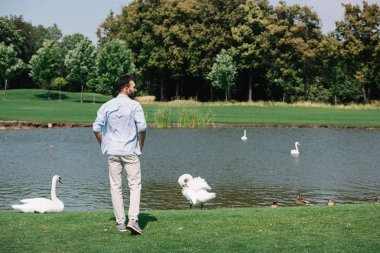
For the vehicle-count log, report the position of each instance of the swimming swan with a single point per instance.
(295, 151)
(42, 205)
(244, 137)
(195, 190)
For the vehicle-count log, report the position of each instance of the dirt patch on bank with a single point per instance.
(16, 125)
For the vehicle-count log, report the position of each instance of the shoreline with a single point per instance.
(26, 125)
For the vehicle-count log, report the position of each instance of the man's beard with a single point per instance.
(132, 95)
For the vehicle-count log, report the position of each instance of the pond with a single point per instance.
(334, 163)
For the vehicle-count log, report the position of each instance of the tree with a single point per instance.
(46, 64)
(290, 43)
(114, 59)
(10, 65)
(81, 64)
(59, 82)
(223, 72)
(249, 22)
(9, 35)
(93, 85)
(360, 34)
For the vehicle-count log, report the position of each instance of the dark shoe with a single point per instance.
(121, 227)
(134, 227)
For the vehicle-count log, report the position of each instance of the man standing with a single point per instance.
(120, 129)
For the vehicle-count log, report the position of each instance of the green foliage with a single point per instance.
(81, 62)
(59, 82)
(46, 64)
(359, 32)
(114, 60)
(172, 46)
(10, 65)
(9, 35)
(223, 72)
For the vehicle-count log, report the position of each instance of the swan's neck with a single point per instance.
(245, 133)
(296, 147)
(53, 193)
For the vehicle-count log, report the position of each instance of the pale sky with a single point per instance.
(85, 16)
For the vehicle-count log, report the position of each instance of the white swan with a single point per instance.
(195, 190)
(42, 205)
(295, 151)
(244, 137)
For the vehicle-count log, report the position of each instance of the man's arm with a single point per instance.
(98, 136)
(142, 139)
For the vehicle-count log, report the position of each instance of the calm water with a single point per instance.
(334, 163)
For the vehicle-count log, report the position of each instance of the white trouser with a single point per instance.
(131, 164)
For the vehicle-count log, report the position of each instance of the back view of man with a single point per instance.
(120, 128)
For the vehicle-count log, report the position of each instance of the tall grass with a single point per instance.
(184, 118)
(191, 118)
(163, 118)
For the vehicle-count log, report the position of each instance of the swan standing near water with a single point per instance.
(42, 205)
(244, 137)
(195, 190)
(295, 151)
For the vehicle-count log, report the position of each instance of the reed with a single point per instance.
(163, 118)
(183, 118)
(191, 118)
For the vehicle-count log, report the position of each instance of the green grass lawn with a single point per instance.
(32, 105)
(342, 228)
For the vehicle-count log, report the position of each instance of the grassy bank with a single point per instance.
(32, 105)
(343, 228)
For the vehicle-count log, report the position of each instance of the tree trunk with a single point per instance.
(365, 98)
(81, 93)
(59, 93)
(211, 94)
(93, 97)
(182, 80)
(335, 99)
(196, 91)
(49, 92)
(250, 87)
(5, 88)
(226, 95)
(162, 88)
(177, 89)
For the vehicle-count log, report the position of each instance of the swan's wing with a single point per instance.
(198, 183)
(25, 208)
(39, 205)
(189, 195)
(204, 196)
(38, 200)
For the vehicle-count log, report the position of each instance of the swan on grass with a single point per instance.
(295, 151)
(195, 190)
(244, 137)
(42, 205)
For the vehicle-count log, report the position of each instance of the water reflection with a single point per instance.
(338, 164)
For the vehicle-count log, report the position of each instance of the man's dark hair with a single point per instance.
(122, 83)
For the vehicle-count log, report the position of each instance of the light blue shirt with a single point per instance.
(120, 120)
